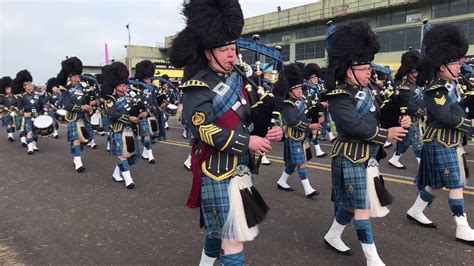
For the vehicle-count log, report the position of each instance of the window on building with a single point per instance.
(311, 31)
(399, 40)
(468, 27)
(248, 56)
(399, 17)
(451, 8)
(285, 53)
(309, 50)
(383, 20)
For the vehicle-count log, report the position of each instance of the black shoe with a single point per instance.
(80, 169)
(431, 225)
(471, 243)
(152, 161)
(284, 188)
(322, 155)
(30, 152)
(24, 145)
(332, 140)
(11, 139)
(121, 181)
(347, 252)
(313, 194)
(130, 186)
(56, 137)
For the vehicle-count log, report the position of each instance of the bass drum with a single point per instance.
(43, 125)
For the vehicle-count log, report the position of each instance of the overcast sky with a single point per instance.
(39, 34)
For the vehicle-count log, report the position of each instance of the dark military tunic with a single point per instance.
(412, 98)
(73, 99)
(123, 139)
(218, 114)
(446, 122)
(296, 131)
(33, 103)
(357, 119)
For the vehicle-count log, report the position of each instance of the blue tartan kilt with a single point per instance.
(144, 127)
(349, 184)
(89, 128)
(214, 205)
(106, 123)
(413, 138)
(116, 144)
(72, 134)
(294, 152)
(7, 120)
(19, 125)
(29, 127)
(439, 167)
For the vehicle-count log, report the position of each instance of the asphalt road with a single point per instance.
(53, 215)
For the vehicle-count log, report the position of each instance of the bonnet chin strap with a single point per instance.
(355, 77)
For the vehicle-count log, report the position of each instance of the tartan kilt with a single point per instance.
(144, 127)
(349, 184)
(413, 138)
(214, 205)
(106, 123)
(29, 126)
(89, 128)
(72, 134)
(7, 120)
(439, 167)
(116, 144)
(294, 152)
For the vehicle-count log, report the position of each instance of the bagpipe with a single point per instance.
(265, 105)
(392, 106)
(136, 98)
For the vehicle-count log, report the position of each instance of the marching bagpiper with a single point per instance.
(440, 161)
(217, 108)
(77, 105)
(356, 114)
(31, 104)
(411, 97)
(124, 142)
(8, 106)
(312, 90)
(297, 126)
(144, 71)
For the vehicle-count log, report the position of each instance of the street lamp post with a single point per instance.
(128, 50)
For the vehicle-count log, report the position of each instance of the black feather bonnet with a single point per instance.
(353, 43)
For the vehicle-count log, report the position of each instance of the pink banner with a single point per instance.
(106, 54)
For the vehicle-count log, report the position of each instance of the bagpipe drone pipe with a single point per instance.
(266, 98)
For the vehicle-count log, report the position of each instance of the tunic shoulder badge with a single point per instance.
(198, 118)
(441, 100)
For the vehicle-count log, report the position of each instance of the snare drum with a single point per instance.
(95, 120)
(43, 125)
(61, 115)
(171, 109)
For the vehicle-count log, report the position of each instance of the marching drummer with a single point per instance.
(53, 100)
(31, 104)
